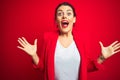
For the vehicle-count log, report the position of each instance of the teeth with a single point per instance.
(64, 21)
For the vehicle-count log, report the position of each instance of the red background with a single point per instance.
(99, 19)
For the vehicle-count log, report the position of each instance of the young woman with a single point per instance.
(63, 53)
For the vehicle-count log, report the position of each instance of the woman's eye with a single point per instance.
(59, 14)
(68, 14)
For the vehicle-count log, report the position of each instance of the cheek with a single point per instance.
(58, 20)
(71, 20)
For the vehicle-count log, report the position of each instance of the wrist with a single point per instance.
(35, 58)
(101, 59)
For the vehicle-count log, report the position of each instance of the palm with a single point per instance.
(30, 49)
(27, 47)
(111, 49)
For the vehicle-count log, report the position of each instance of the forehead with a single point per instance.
(64, 8)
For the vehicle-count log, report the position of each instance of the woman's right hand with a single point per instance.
(27, 47)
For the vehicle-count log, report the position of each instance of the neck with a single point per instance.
(66, 35)
(65, 39)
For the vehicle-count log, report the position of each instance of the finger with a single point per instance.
(117, 46)
(35, 42)
(117, 51)
(25, 40)
(21, 40)
(21, 43)
(20, 48)
(101, 44)
(114, 43)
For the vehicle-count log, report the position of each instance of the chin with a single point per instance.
(65, 30)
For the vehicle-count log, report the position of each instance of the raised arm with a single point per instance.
(29, 48)
(109, 50)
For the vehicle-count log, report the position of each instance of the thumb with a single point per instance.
(35, 42)
(101, 44)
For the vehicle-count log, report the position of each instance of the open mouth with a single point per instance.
(64, 23)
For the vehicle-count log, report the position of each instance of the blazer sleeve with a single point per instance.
(93, 65)
(41, 63)
(83, 43)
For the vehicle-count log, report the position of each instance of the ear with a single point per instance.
(74, 20)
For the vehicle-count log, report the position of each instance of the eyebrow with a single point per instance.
(67, 10)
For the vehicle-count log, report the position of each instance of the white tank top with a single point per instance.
(67, 62)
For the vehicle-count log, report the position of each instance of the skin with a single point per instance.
(65, 13)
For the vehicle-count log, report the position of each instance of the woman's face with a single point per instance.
(65, 19)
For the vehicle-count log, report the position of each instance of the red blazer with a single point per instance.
(46, 62)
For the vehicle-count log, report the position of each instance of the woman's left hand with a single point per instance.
(110, 50)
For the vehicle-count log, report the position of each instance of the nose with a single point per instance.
(64, 16)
